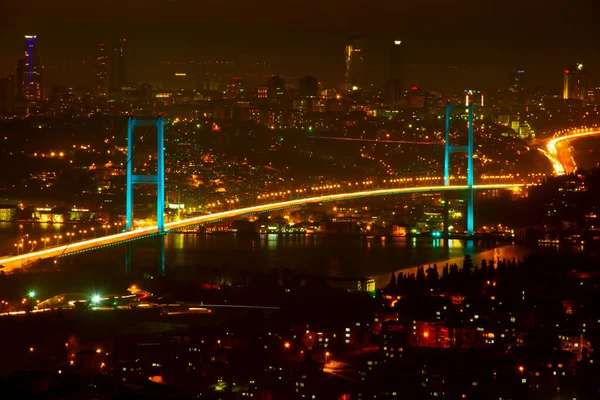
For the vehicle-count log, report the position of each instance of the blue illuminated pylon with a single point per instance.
(461, 149)
(158, 179)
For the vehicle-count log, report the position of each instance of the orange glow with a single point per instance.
(286, 345)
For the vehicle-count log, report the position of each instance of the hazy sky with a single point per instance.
(485, 38)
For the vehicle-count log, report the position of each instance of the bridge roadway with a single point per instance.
(559, 155)
(12, 262)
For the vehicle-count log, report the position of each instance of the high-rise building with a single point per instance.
(576, 83)
(235, 90)
(309, 87)
(276, 87)
(516, 81)
(30, 71)
(396, 78)
(117, 67)
(516, 93)
(7, 94)
(101, 71)
(354, 77)
(263, 92)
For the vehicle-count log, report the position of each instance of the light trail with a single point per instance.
(553, 150)
(12, 262)
(373, 140)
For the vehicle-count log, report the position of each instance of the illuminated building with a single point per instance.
(263, 92)
(235, 89)
(276, 87)
(475, 97)
(355, 68)
(309, 87)
(516, 81)
(101, 71)
(575, 83)
(211, 85)
(117, 67)
(396, 79)
(30, 70)
(594, 95)
(515, 87)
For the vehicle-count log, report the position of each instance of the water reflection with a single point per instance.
(352, 256)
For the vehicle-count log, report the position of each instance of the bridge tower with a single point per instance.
(470, 173)
(158, 180)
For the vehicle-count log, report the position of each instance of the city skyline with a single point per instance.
(561, 34)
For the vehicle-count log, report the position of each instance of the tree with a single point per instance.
(420, 274)
(393, 280)
(432, 273)
(467, 264)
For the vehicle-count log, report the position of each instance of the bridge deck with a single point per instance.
(12, 262)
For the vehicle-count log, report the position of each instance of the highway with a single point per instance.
(13, 262)
(558, 150)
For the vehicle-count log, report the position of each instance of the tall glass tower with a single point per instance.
(31, 70)
(396, 79)
(354, 78)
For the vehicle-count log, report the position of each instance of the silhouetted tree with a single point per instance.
(445, 271)
(392, 280)
(432, 273)
(467, 264)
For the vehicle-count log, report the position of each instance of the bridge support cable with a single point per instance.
(469, 148)
(158, 179)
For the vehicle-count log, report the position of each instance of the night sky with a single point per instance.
(486, 39)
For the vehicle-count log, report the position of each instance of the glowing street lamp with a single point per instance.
(96, 298)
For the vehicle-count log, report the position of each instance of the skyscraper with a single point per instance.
(276, 87)
(354, 77)
(515, 88)
(31, 71)
(576, 82)
(117, 67)
(101, 71)
(309, 87)
(396, 78)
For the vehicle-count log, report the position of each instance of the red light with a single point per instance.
(415, 88)
(567, 71)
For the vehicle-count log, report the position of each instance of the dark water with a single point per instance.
(189, 256)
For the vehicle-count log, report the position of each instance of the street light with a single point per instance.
(31, 294)
(93, 230)
(96, 298)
